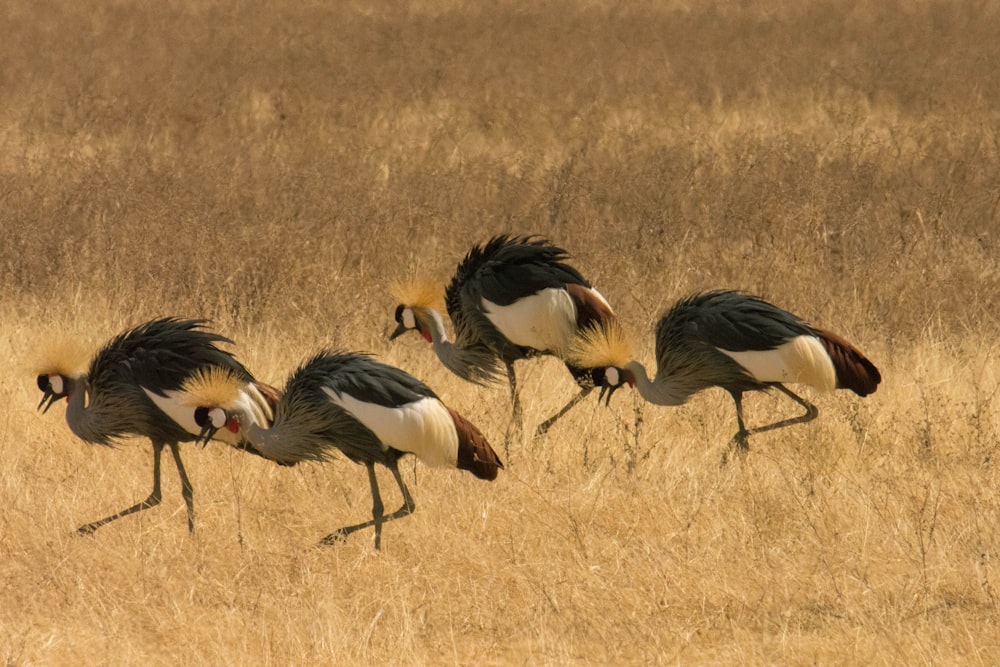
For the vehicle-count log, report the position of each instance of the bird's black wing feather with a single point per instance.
(366, 379)
(161, 354)
(740, 322)
(522, 266)
(503, 270)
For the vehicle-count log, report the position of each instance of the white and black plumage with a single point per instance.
(737, 342)
(132, 388)
(512, 298)
(349, 402)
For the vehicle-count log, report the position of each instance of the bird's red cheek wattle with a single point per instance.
(426, 334)
(233, 425)
(631, 382)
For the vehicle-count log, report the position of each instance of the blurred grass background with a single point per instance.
(274, 167)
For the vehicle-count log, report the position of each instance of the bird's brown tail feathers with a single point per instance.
(854, 371)
(474, 452)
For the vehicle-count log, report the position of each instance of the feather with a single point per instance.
(603, 344)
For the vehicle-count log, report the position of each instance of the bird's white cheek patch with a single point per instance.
(612, 377)
(218, 417)
(56, 383)
(409, 321)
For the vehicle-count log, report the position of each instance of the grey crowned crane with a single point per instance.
(512, 298)
(734, 341)
(349, 402)
(132, 388)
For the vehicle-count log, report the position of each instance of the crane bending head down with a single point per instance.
(606, 349)
(735, 341)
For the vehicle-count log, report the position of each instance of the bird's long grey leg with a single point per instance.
(186, 489)
(514, 398)
(516, 425)
(811, 412)
(547, 424)
(377, 509)
(739, 441)
(152, 501)
(408, 504)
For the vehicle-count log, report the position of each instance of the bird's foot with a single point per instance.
(88, 529)
(737, 445)
(338, 536)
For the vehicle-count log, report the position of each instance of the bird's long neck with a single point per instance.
(661, 390)
(289, 439)
(260, 436)
(79, 417)
(474, 365)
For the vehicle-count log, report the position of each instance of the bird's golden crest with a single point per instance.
(600, 345)
(67, 357)
(213, 387)
(417, 293)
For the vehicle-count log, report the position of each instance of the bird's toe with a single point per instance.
(336, 537)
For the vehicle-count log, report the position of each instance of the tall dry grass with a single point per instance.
(273, 168)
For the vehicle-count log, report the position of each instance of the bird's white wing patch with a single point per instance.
(800, 360)
(423, 428)
(173, 406)
(545, 321)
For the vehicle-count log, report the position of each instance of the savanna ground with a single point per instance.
(274, 167)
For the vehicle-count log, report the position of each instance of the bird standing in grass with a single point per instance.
(348, 402)
(133, 388)
(735, 341)
(512, 298)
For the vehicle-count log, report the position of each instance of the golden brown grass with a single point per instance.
(275, 169)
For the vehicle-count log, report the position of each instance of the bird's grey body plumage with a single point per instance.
(690, 334)
(158, 355)
(337, 401)
(110, 402)
(308, 426)
(502, 271)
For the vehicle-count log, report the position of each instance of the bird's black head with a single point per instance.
(407, 319)
(53, 387)
(210, 420)
(610, 379)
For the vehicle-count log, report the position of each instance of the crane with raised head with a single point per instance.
(731, 340)
(349, 402)
(511, 298)
(132, 387)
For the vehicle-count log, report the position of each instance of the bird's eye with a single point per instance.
(201, 416)
(43, 382)
(612, 377)
(218, 417)
(56, 384)
(408, 319)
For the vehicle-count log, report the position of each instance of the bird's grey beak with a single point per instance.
(203, 418)
(48, 398)
(400, 330)
(606, 393)
(207, 433)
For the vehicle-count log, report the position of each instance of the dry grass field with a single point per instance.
(274, 167)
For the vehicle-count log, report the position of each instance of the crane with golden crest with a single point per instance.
(347, 402)
(511, 298)
(132, 387)
(731, 340)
